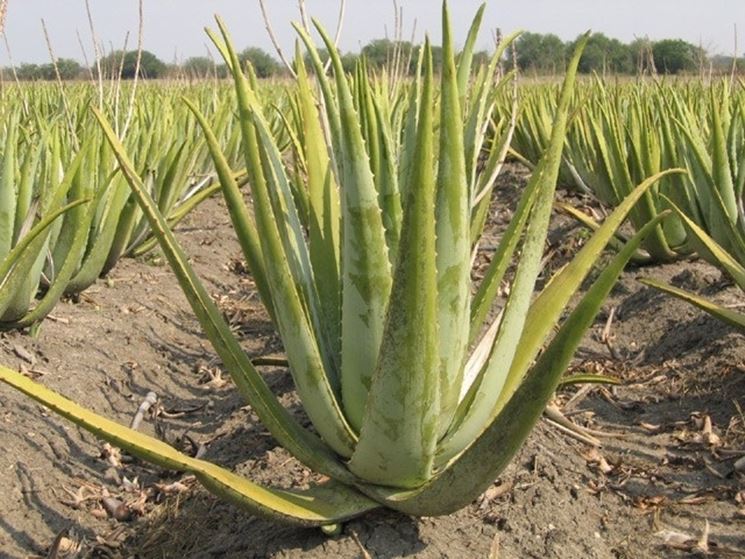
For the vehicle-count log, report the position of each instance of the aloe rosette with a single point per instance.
(418, 400)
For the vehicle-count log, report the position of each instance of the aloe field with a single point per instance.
(429, 308)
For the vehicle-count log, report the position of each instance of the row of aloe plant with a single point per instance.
(622, 133)
(361, 245)
(66, 215)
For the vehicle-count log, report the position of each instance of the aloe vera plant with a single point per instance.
(66, 215)
(614, 143)
(34, 200)
(418, 400)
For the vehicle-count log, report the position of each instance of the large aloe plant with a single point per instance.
(373, 301)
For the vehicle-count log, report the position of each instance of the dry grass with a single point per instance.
(3, 12)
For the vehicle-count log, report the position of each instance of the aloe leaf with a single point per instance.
(708, 247)
(183, 210)
(8, 189)
(502, 259)
(25, 249)
(310, 369)
(496, 373)
(465, 60)
(324, 218)
(26, 188)
(722, 174)
(102, 237)
(324, 504)
(242, 221)
(389, 191)
(616, 242)
(400, 424)
(301, 443)
(25, 263)
(365, 267)
(548, 306)
(452, 210)
(733, 318)
(330, 100)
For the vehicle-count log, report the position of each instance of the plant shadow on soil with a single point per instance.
(559, 498)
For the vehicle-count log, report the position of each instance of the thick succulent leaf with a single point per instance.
(465, 60)
(548, 306)
(24, 262)
(179, 213)
(311, 372)
(8, 189)
(453, 208)
(18, 262)
(616, 242)
(400, 424)
(496, 373)
(301, 443)
(329, 99)
(329, 503)
(722, 173)
(464, 479)
(102, 238)
(26, 188)
(324, 212)
(242, 221)
(731, 317)
(67, 267)
(489, 287)
(365, 267)
(714, 252)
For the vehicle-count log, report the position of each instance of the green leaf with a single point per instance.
(295, 307)
(733, 318)
(365, 267)
(400, 424)
(496, 375)
(301, 443)
(324, 504)
(453, 233)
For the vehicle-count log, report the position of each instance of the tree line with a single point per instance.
(535, 53)
(547, 54)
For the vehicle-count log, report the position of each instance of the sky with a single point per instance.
(174, 28)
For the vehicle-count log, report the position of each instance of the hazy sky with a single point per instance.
(175, 27)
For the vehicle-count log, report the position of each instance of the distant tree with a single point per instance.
(198, 67)
(379, 52)
(604, 54)
(722, 64)
(151, 67)
(540, 53)
(383, 52)
(672, 56)
(263, 63)
(69, 69)
(29, 72)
